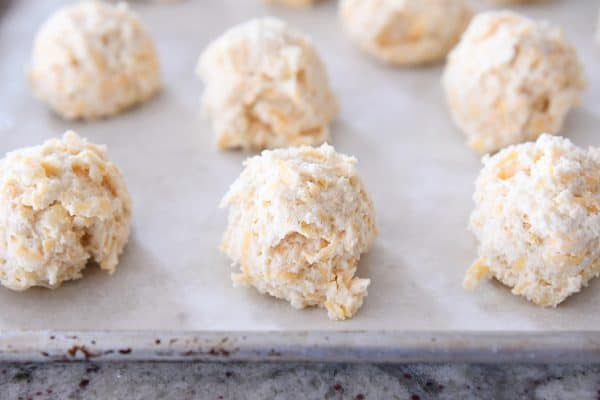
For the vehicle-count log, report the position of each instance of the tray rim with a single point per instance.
(302, 346)
(310, 346)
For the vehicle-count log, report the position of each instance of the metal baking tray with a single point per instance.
(172, 298)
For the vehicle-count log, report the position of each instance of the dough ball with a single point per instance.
(299, 220)
(266, 87)
(405, 32)
(93, 60)
(537, 219)
(511, 79)
(293, 3)
(62, 204)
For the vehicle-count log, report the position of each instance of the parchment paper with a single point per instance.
(412, 158)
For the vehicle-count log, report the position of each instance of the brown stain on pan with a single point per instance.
(72, 352)
(216, 351)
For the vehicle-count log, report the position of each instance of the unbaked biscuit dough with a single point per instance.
(511, 79)
(537, 219)
(299, 220)
(93, 60)
(62, 204)
(405, 32)
(266, 87)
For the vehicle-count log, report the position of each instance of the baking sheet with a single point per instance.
(411, 157)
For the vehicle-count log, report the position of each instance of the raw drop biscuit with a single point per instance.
(537, 219)
(511, 79)
(266, 87)
(299, 220)
(407, 32)
(93, 60)
(62, 204)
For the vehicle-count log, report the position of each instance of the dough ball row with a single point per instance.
(508, 79)
(299, 220)
(299, 215)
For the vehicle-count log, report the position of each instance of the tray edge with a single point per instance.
(301, 346)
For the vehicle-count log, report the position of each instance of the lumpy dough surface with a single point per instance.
(299, 220)
(536, 219)
(511, 79)
(266, 87)
(405, 32)
(62, 204)
(93, 60)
